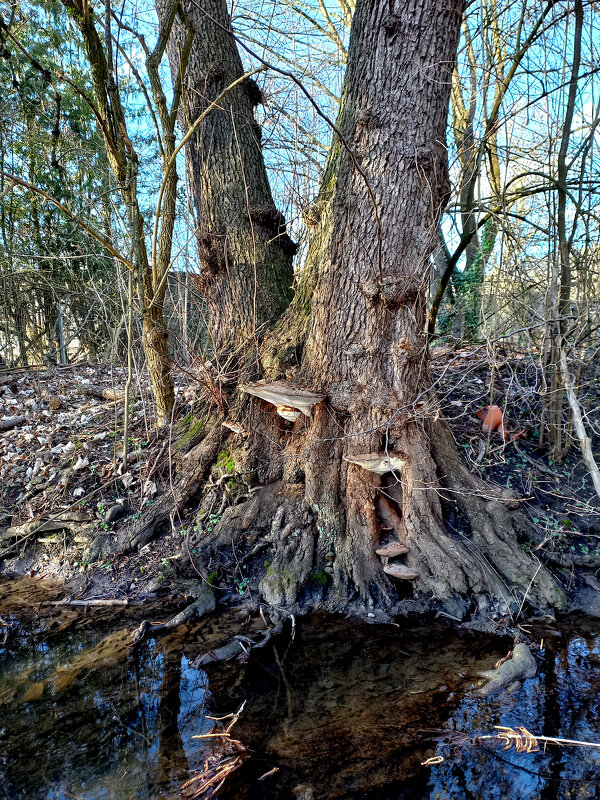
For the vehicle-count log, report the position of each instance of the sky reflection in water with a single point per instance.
(342, 717)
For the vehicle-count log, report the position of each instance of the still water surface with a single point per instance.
(339, 710)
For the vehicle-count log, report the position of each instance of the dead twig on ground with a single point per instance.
(227, 757)
(38, 526)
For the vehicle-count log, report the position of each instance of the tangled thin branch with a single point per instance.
(227, 757)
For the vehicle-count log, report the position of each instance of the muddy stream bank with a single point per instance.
(338, 710)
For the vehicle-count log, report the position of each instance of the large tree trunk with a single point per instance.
(356, 332)
(245, 252)
(366, 347)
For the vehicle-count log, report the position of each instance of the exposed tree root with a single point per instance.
(456, 565)
(315, 542)
(346, 513)
(343, 497)
(496, 521)
(194, 469)
(239, 646)
(272, 534)
(202, 605)
(520, 665)
(293, 540)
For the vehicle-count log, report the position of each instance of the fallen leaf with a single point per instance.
(127, 479)
(150, 488)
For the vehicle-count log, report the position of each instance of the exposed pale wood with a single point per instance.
(584, 440)
(35, 526)
(88, 603)
(103, 392)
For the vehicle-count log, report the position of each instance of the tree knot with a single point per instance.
(254, 92)
(400, 290)
(392, 25)
(272, 220)
(210, 252)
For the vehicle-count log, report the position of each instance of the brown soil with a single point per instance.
(63, 461)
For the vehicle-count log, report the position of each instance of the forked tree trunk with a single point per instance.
(245, 252)
(359, 322)
(123, 162)
(366, 347)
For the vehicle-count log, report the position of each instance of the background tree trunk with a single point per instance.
(560, 289)
(124, 165)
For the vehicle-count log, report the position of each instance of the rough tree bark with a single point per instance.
(366, 347)
(356, 332)
(245, 252)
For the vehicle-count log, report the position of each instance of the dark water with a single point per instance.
(339, 711)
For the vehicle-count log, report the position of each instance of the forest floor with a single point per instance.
(63, 485)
